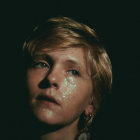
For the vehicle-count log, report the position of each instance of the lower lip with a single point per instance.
(46, 102)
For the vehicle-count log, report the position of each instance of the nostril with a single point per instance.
(54, 84)
(44, 84)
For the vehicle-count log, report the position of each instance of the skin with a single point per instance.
(63, 76)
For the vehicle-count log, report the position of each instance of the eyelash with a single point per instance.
(40, 65)
(74, 72)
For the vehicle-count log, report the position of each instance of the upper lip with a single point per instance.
(48, 98)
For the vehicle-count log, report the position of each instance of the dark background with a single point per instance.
(117, 24)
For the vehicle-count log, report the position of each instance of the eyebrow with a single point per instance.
(44, 57)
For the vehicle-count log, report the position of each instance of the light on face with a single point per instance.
(49, 112)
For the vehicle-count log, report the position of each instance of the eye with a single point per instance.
(40, 65)
(74, 72)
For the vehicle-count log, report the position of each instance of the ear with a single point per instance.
(89, 110)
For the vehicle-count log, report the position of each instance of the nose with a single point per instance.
(54, 77)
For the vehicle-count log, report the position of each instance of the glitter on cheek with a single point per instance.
(68, 86)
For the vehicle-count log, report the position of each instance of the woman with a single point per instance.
(68, 73)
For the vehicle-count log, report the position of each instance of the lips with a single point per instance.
(47, 98)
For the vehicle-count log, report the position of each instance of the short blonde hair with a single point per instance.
(63, 32)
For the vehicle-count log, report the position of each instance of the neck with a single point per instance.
(68, 132)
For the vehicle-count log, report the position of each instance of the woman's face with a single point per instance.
(59, 86)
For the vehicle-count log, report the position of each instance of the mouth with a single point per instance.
(47, 99)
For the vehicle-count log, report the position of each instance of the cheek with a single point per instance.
(75, 91)
(67, 87)
(76, 95)
(33, 79)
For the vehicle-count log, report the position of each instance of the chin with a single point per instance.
(46, 116)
